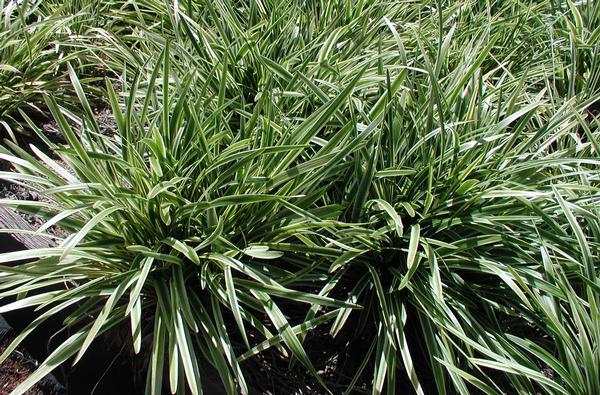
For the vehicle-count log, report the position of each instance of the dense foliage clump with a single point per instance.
(422, 175)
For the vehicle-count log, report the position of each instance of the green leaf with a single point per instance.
(411, 263)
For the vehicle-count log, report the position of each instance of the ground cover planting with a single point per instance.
(304, 197)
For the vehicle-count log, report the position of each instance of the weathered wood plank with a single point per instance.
(9, 219)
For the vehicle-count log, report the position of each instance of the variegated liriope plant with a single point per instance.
(439, 160)
(176, 222)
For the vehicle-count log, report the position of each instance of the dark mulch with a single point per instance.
(19, 365)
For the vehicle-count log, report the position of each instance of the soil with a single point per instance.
(18, 366)
(15, 370)
(106, 121)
